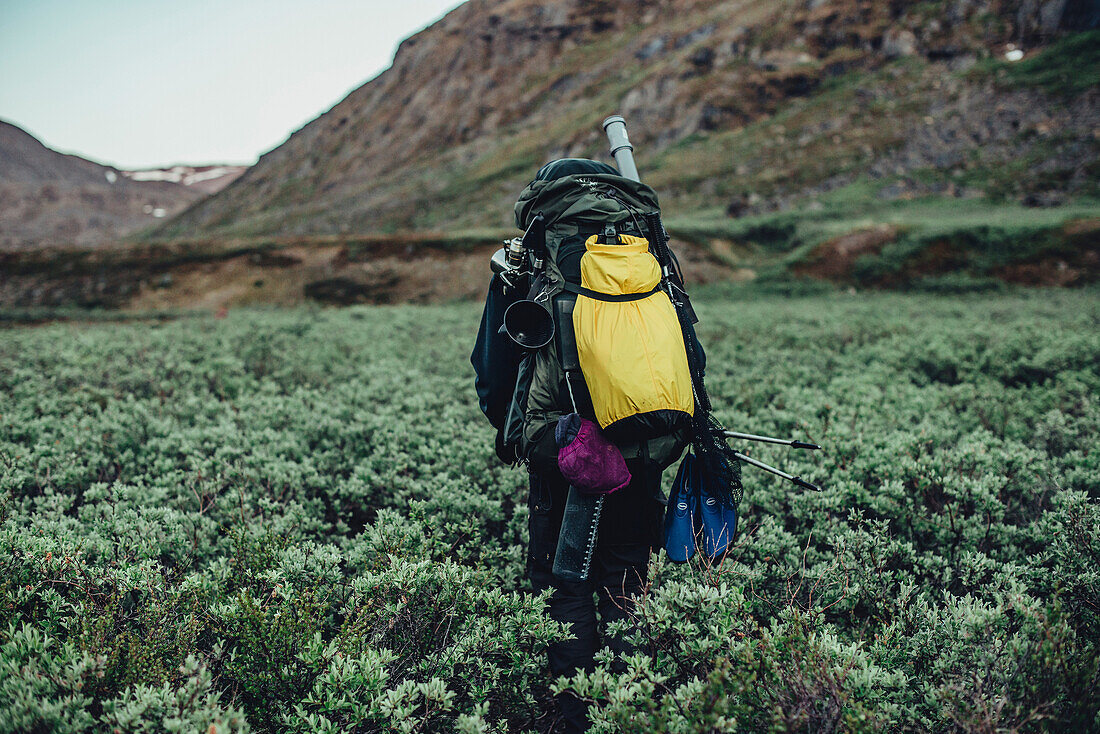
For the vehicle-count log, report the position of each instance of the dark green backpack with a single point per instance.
(578, 198)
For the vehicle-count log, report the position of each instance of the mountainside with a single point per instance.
(49, 198)
(947, 145)
(734, 106)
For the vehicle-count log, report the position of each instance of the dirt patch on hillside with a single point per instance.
(274, 278)
(834, 258)
(1051, 271)
(1083, 232)
(707, 263)
(1079, 264)
(1065, 256)
(208, 275)
(325, 274)
(215, 275)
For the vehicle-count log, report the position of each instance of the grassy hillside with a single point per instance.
(293, 521)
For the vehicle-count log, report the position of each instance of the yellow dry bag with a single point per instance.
(629, 342)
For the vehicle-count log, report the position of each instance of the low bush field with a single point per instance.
(294, 521)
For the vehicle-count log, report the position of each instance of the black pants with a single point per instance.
(630, 527)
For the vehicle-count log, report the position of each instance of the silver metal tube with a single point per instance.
(621, 149)
(768, 439)
(778, 472)
(762, 465)
(754, 437)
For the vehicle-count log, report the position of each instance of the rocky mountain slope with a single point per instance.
(738, 105)
(49, 198)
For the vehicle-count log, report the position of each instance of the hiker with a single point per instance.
(543, 409)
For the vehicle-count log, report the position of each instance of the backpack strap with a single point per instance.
(568, 356)
(608, 297)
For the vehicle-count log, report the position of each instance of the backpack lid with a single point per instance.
(572, 167)
(590, 195)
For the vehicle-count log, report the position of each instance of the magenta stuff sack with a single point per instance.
(588, 460)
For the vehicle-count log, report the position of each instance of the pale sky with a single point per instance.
(144, 83)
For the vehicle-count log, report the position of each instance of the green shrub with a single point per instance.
(294, 521)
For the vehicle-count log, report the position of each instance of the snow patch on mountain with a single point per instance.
(208, 179)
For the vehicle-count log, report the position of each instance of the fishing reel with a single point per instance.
(511, 263)
(521, 257)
